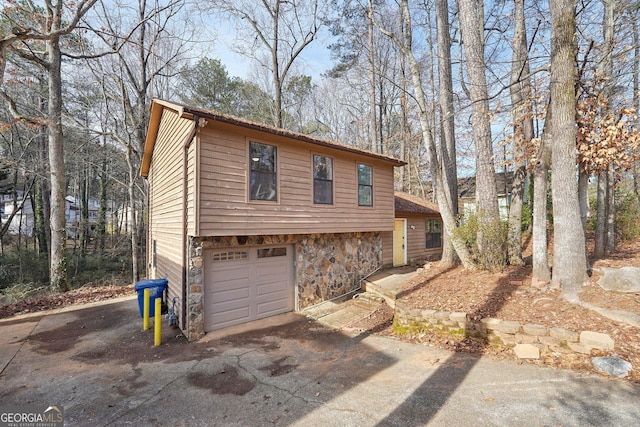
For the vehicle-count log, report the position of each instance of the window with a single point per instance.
(272, 252)
(230, 255)
(263, 174)
(322, 180)
(365, 185)
(433, 228)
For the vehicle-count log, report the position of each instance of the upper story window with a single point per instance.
(365, 185)
(433, 228)
(263, 178)
(322, 180)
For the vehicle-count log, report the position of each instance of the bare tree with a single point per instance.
(149, 53)
(447, 120)
(282, 28)
(520, 88)
(49, 24)
(569, 257)
(541, 274)
(435, 163)
(472, 26)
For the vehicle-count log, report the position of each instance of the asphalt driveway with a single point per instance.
(102, 368)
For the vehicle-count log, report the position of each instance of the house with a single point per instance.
(417, 234)
(248, 221)
(24, 220)
(467, 194)
(72, 215)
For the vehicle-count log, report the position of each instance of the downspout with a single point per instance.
(185, 217)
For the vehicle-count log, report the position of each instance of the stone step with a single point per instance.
(368, 300)
(389, 295)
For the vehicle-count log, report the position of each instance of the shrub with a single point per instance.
(492, 255)
(627, 216)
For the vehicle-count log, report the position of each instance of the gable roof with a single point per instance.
(413, 205)
(467, 186)
(196, 114)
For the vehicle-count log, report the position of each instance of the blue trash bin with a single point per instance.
(156, 289)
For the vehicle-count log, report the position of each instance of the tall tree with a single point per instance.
(48, 24)
(436, 165)
(569, 257)
(472, 26)
(520, 88)
(281, 29)
(149, 53)
(447, 120)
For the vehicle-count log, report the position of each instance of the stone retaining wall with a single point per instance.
(496, 332)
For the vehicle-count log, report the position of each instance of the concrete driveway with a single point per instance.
(102, 368)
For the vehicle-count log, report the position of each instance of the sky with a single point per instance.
(314, 60)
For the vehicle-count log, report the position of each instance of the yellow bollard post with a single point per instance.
(157, 323)
(145, 310)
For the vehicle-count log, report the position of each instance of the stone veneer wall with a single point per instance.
(326, 266)
(331, 265)
(497, 332)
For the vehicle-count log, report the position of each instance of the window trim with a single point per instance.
(426, 228)
(314, 179)
(370, 186)
(250, 171)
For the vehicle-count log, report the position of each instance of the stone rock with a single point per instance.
(564, 334)
(625, 279)
(526, 338)
(458, 317)
(537, 330)
(596, 340)
(508, 327)
(527, 351)
(579, 348)
(490, 322)
(612, 365)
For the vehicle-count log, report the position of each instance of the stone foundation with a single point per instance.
(326, 266)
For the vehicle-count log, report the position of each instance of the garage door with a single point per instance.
(246, 284)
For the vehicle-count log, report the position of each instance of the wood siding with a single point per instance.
(225, 209)
(416, 241)
(166, 200)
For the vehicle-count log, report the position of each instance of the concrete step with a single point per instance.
(388, 294)
(389, 284)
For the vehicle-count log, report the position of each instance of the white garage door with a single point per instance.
(244, 284)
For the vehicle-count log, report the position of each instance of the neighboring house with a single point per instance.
(72, 215)
(467, 194)
(24, 221)
(417, 235)
(248, 221)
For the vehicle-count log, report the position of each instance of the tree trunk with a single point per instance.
(541, 274)
(58, 266)
(373, 122)
(448, 140)
(472, 26)
(39, 221)
(583, 197)
(611, 213)
(569, 258)
(523, 132)
(435, 166)
(133, 218)
(44, 187)
(636, 96)
(601, 216)
(101, 226)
